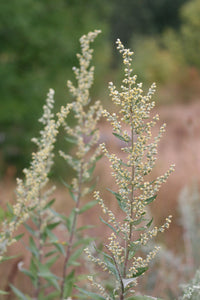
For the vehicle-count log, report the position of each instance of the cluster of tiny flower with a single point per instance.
(134, 193)
(28, 191)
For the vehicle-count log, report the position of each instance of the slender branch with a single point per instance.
(38, 283)
(127, 243)
(119, 273)
(71, 237)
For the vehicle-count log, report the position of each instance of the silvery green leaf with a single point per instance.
(126, 281)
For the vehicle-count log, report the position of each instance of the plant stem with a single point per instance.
(127, 243)
(38, 284)
(71, 237)
(120, 275)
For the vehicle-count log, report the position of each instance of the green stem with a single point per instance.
(129, 238)
(38, 283)
(71, 237)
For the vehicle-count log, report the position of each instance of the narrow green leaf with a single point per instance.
(19, 236)
(69, 220)
(149, 223)
(142, 298)
(60, 248)
(52, 260)
(110, 226)
(71, 140)
(83, 241)
(10, 208)
(111, 267)
(149, 200)
(138, 221)
(91, 295)
(73, 258)
(45, 273)
(50, 253)
(28, 273)
(120, 200)
(73, 196)
(140, 271)
(69, 284)
(53, 225)
(98, 157)
(49, 204)
(29, 229)
(18, 293)
(85, 227)
(52, 296)
(87, 206)
(120, 137)
(32, 247)
(3, 292)
(91, 170)
(8, 257)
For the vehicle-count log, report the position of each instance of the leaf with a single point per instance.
(98, 157)
(120, 137)
(120, 200)
(8, 257)
(111, 266)
(49, 204)
(50, 253)
(18, 293)
(149, 223)
(73, 196)
(60, 248)
(3, 292)
(28, 273)
(142, 298)
(69, 284)
(84, 241)
(53, 225)
(149, 200)
(52, 296)
(91, 170)
(29, 229)
(87, 206)
(85, 227)
(140, 271)
(32, 247)
(45, 273)
(91, 295)
(126, 281)
(71, 140)
(69, 220)
(110, 226)
(73, 258)
(52, 260)
(19, 236)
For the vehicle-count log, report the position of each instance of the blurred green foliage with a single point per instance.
(39, 40)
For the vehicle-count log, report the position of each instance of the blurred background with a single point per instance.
(39, 42)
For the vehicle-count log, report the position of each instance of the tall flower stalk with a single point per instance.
(132, 125)
(84, 135)
(36, 176)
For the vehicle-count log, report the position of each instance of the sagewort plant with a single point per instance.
(84, 135)
(36, 176)
(33, 205)
(33, 202)
(121, 257)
